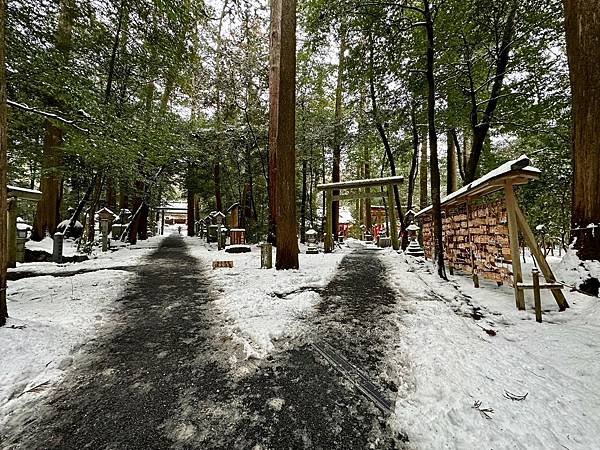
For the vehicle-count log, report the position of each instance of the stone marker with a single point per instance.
(57, 248)
(266, 256)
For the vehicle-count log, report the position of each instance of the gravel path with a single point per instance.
(166, 376)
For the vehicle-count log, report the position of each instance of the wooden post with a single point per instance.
(266, 256)
(536, 295)
(513, 235)
(393, 225)
(329, 222)
(475, 280)
(539, 257)
(11, 231)
(162, 223)
(104, 227)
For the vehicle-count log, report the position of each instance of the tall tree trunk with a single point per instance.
(282, 130)
(47, 214)
(368, 217)
(414, 163)
(111, 196)
(303, 204)
(191, 212)
(583, 50)
(219, 119)
(451, 164)
(337, 146)
(86, 198)
(434, 167)
(423, 172)
(92, 209)
(3, 170)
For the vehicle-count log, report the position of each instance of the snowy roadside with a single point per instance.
(52, 317)
(266, 305)
(455, 363)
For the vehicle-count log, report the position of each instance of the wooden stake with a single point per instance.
(393, 226)
(536, 295)
(11, 232)
(539, 257)
(513, 233)
(329, 222)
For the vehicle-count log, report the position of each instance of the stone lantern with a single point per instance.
(311, 239)
(105, 215)
(413, 249)
(22, 232)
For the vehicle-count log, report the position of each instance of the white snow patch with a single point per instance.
(51, 317)
(266, 305)
(454, 363)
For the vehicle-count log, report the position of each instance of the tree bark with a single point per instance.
(414, 163)
(337, 146)
(92, 209)
(282, 133)
(367, 202)
(433, 151)
(303, 204)
(191, 212)
(451, 164)
(3, 170)
(47, 214)
(423, 172)
(583, 51)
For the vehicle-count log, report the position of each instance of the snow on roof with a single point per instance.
(174, 206)
(521, 164)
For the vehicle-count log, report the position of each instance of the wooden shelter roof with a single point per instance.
(515, 172)
(26, 194)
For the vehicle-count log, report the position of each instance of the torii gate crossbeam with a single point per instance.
(390, 182)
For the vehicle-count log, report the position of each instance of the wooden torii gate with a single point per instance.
(333, 193)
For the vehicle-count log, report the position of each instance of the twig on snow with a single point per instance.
(37, 388)
(485, 412)
(515, 397)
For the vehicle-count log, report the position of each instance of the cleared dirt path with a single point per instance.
(165, 377)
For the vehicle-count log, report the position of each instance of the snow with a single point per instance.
(265, 305)
(454, 363)
(522, 163)
(51, 317)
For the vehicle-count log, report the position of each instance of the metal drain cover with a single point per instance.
(353, 374)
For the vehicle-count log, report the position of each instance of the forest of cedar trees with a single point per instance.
(133, 103)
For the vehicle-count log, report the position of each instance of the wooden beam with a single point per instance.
(373, 182)
(539, 257)
(355, 196)
(329, 222)
(541, 286)
(393, 226)
(513, 236)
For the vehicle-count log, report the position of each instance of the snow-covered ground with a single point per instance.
(266, 305)
(51, 317)
(455, 364)
(452, 368)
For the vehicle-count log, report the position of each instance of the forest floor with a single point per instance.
(150, 348)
